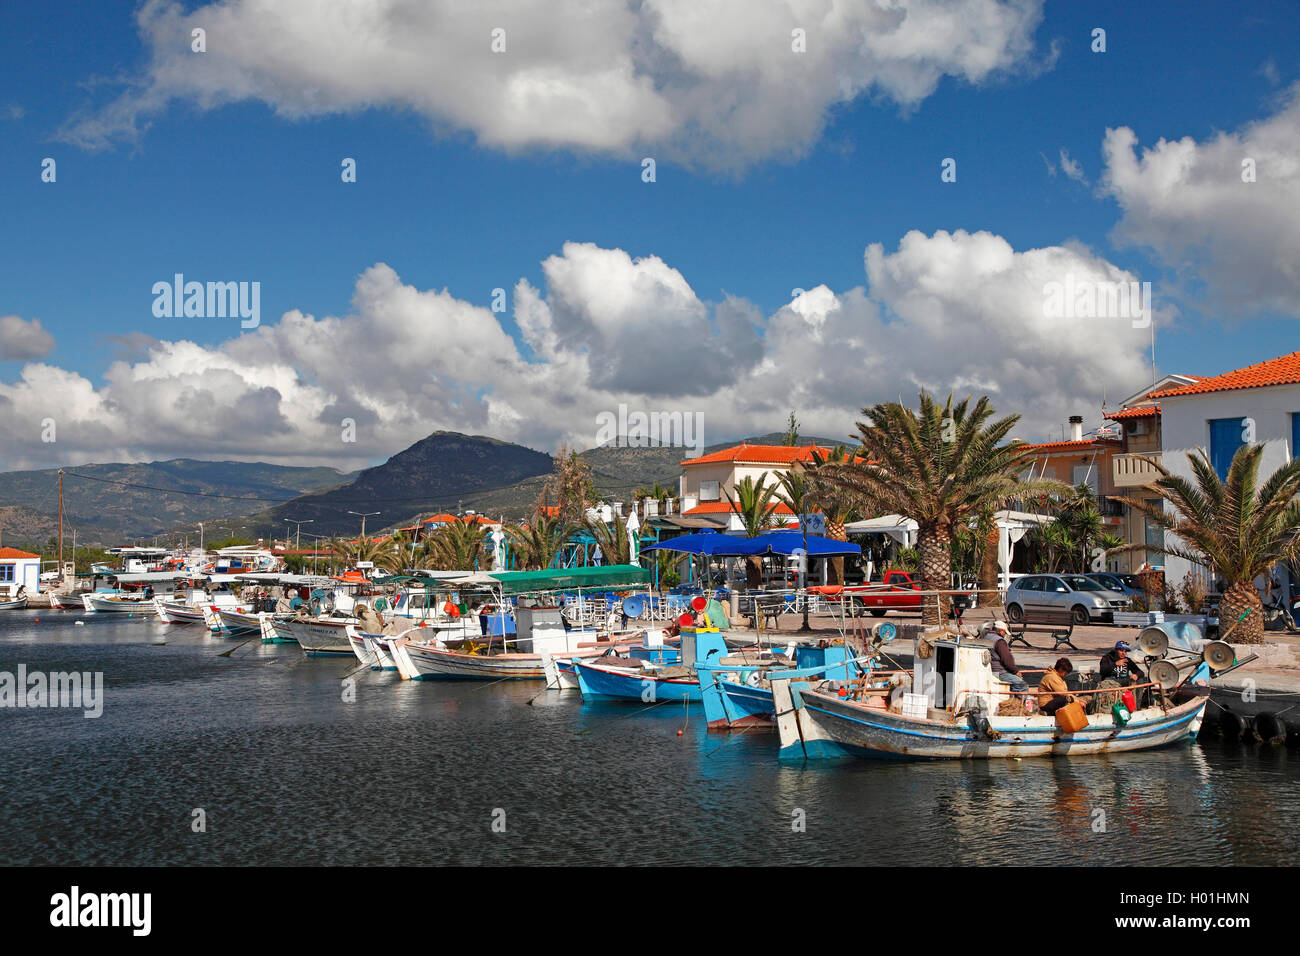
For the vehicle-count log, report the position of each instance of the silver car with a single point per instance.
(1082, 597)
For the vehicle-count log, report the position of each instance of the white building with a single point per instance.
(19, 569)
(1257, 404)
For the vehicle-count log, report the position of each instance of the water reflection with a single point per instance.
(266, 743)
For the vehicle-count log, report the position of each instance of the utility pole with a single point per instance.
(201, 548)
(363, 518)
(298, 539)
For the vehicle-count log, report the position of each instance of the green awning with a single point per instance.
(564, 579)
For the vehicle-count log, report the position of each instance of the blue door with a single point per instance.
(1225, 439)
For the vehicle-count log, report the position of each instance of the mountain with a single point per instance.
(445, 471)
(108, 503)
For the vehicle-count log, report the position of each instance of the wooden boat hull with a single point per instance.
(170, 612)
(116, 605)
(317, 638)
(600, 682)
(424, 661)
(738, 706)
(16, 605)
(817, 724)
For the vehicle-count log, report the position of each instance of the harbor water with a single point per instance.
(267, 757)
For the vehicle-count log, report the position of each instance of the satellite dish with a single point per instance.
(1219, 655)
(634, 606)
(1165, 674)
(699, 603)
(1154, 642)
(884, 632)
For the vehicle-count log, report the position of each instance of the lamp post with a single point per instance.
(201, 548)
(803, 564)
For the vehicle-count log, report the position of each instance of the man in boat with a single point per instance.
(1053, 692)
(1001, 659)
(1115, 664)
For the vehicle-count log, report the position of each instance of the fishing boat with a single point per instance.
(119, 602)
(16, 604)
(541, 633)
(959, 713)
(67, 600)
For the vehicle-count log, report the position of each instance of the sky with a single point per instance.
(851, 201)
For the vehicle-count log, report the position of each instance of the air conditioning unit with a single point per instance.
(1139, 426)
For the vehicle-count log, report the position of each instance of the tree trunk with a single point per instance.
(836, 531)
(934, 545)
(1239, 598)
(753, 573)
(988, 578)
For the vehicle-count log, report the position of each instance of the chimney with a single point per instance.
(1076, 428)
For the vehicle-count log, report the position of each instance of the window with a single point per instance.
(1225, 439)
(1154, 536)
(708, 491)
(1088, 475)
(7, 572)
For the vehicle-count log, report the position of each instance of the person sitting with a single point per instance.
(1001, 659)
(1053, 692)
(1116, 665)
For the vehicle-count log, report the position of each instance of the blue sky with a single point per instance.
(238, 190)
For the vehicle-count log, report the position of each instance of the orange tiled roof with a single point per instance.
(760, 454)
(1284, 370)
(1137, 411)
(1073, 445)
(723, 507)
(10, 553)
(450, 518)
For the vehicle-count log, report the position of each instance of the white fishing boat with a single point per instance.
(66, 600)
(318, 636)
(16, 604)
(958, 711)
(117, 603)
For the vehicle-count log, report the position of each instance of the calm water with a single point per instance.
(409, 773)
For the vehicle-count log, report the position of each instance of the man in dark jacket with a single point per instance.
(1000, 658)
(1116, 665)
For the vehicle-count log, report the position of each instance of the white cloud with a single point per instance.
(22, 341)
(1072, 167)
(716, 83)
(951, 311)
(1189, 203)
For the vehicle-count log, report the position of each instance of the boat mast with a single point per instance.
(74, 555)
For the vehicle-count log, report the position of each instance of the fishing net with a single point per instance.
(1102, 703)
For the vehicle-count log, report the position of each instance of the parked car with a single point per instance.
(1084, 598)
(1117, 583)
(898, 591)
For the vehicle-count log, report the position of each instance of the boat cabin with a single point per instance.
(957, 674)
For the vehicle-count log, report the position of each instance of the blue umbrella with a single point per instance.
(701, 542)
(789, 542)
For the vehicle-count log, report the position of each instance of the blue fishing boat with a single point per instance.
(651, 673)
(737, 697)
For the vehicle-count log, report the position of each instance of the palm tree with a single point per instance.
(457, 546)
(939, 465)
(612, 539)
(837, 507)
(1236, 526)
(538, 542)
(754, 503)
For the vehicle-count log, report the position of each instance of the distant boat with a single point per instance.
(15, 605)
(117, 602)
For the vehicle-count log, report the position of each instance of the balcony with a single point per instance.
(1129, 471)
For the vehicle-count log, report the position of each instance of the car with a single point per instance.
(1116, 582)
(1082, 597)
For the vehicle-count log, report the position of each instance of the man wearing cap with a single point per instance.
(1000, 658)
(1116, 665)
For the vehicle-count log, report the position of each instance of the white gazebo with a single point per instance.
(1012, 526)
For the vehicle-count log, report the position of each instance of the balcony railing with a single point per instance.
(1129, 471)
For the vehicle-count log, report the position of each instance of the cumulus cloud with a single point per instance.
(950, 311)
(1221, 211)
(718, 83)
(22, 341)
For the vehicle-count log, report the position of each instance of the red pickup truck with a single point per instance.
(898, 591)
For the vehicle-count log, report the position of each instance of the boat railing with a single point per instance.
(959, 696)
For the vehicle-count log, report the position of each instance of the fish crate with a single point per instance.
(916, 706)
